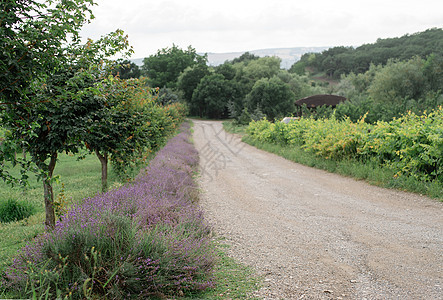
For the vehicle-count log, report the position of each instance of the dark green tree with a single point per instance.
(212, 95)
(164, 68)
(190, 78)
(227, 70)
(272, 96)
(245, 58)
(127, 69)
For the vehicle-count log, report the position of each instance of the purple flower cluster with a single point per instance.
(146, 238)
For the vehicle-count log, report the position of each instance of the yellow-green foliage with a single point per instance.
(410, 145)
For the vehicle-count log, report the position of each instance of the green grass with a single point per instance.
(231, 127)
(232, 279)
(363, 170)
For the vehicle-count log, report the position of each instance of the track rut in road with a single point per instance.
(316, 235)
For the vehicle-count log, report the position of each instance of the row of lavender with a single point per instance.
(147, 238)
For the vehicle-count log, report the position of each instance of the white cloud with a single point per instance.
(241, 25)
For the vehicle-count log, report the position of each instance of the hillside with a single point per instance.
(336, 61)
(288, 55)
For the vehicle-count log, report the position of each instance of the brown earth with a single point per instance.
(316, 235)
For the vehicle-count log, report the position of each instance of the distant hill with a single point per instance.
(137, 61)
(343, 60)
(288, 55)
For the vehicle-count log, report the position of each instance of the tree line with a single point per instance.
(395, 76)
(248, 87)
(337, 61)
(389, 91)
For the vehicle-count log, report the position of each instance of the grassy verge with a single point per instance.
(368, 171)
(231, 127)
(232, 279)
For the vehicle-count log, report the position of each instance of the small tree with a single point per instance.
(119, 129)
(212, 95)
(55, 103)
(273, 96)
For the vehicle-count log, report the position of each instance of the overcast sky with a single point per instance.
(242, 25)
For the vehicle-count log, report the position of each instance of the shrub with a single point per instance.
(11, 210)
(411, 145)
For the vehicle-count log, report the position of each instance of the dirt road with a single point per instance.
(315, 235)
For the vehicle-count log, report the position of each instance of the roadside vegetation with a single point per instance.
(132, 234)
(404, 153)
(389, 129)
(143, 239)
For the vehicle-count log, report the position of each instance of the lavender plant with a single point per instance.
(147, 238)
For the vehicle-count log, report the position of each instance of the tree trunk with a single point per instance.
(49, 193)
(104, 161)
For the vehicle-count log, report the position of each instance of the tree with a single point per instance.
(227, 70)
(166, 96)
(433, 70)
(127, 69)
(397, 81)
(117, 129)
(248, 72)
(212, 95)
(337, 61)
(265, 67)
(36, 39)
(32, 39)
(272, 96)
(189, 80)
(49, 81)
(299, 85)
(164, 68)
(245, 58)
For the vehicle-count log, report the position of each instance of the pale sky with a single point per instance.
(245, 25)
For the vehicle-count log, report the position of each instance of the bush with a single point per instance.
(11, 210)
(411, 145)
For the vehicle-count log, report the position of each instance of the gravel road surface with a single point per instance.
(316, 235)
